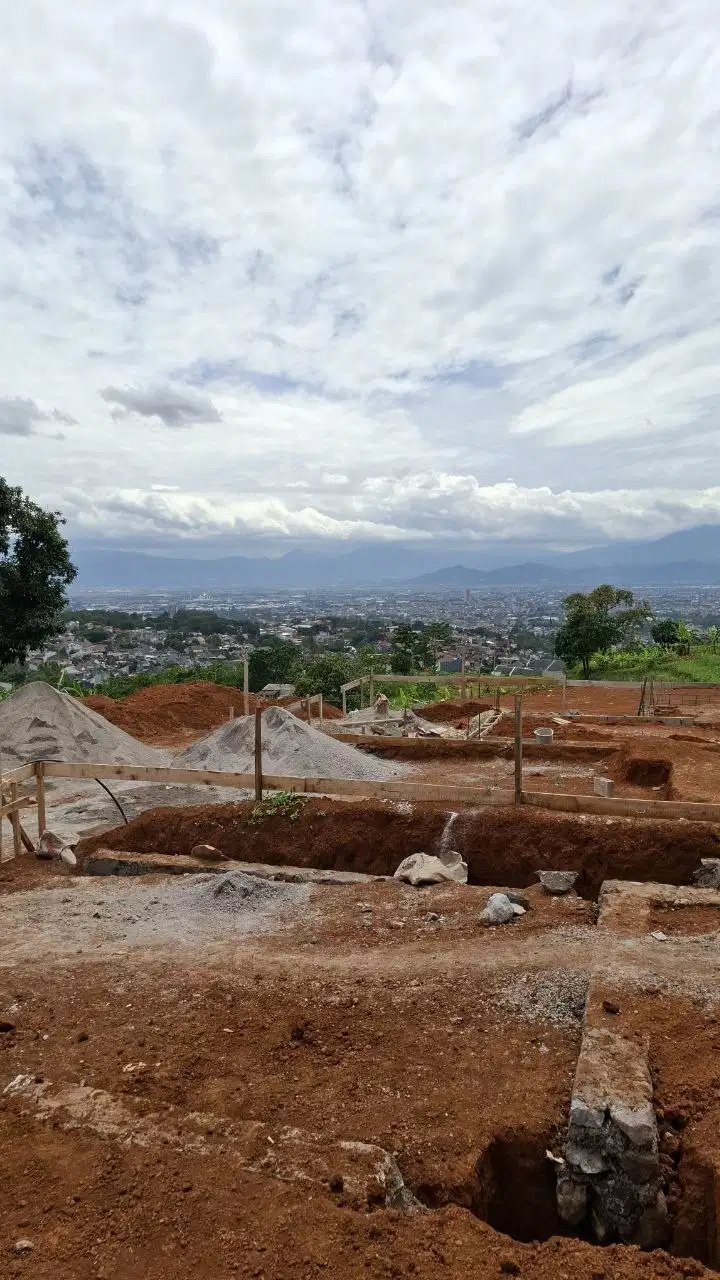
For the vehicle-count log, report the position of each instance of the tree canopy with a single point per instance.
(665, 631)
(595, 621)
(35, 569)
(415, 650)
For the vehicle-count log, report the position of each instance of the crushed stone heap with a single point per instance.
(290, 748)
(38, 722)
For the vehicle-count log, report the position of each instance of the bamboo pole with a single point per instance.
(258, 755)
(518, 750)
(246, 687)
(40, 793)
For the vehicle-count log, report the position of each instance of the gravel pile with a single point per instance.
(556, 996)
(38, 722)
(112, 917)
(290, 748)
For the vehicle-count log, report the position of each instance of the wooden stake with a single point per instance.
(258, 755)
(518, 750)
(320, 708)
(232, 714)
(40, 793)
(15, 821)
(246, 687)
(344, 704)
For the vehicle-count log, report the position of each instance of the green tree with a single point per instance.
(418, 650)
(665, 631)
(275, 662)
(35, 569)
(326, 674)
(595, 621)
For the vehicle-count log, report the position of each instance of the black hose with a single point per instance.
(114, 800)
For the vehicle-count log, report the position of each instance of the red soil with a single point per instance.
(176, 714)
(501, 846)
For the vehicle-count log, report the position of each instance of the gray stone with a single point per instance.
(519, 899)
(584, 1115)
(603, 787)
(653, 1228)
(640, 1166)
(708, 873)
(585, 1159)
(572, 1200)
(557, 881)
(498, 910)
(517, 909)
(637, 1123)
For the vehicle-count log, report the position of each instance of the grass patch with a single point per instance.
(279, 804)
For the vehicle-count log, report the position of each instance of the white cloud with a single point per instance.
(373, 258)
(415, 508)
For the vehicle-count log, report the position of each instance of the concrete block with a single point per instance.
(603, 787)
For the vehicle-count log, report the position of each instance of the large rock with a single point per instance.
(424, 868)
(708, 873)
(498, 910)
(557, 881)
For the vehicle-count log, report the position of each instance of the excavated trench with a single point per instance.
(500, 846)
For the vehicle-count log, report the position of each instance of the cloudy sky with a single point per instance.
(361, 270)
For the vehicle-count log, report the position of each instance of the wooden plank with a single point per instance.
(21, 774)
(401, 790)
(621, 807)
(40, 795)
(14, 806)
(258, 779)
(14, 819)
(150, 773)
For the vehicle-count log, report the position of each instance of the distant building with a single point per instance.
(277, 691)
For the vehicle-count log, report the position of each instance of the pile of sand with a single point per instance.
(38, 722)
(290, 748)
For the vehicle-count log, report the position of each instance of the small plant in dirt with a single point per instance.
(279, 804)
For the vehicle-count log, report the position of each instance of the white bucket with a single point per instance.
(545, 736)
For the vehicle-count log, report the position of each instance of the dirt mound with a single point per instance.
(290, 748)
(500, 846)
(453, 709)
(164, 711)
(40, 723)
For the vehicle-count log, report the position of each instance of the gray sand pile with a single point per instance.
(290, 748)
(38, 722)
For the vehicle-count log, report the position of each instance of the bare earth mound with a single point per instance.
(164, 711)
(290, 748)
(39, 723)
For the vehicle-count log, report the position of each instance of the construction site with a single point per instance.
(290, 989)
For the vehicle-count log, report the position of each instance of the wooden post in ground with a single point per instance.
(258, 755)
(320, 708)
(15, 820)
(518, 750)
(246, 687)
(232, 714)
(344, 704)
(463, 683)
(40, 794)
(497, 698)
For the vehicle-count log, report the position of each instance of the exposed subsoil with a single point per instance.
(422, 1047)
(173, 714)
(499, 845)
(453, 709)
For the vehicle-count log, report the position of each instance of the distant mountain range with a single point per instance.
(690, 557)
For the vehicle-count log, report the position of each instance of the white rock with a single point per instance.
(424, 868)
(498, 910)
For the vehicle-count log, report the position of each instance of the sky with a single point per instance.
(354, 271)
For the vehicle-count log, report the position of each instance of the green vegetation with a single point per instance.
(595, 621)
(35, 569)
(182, 622)
(701, 666)
(418, 648)
(279, 804)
